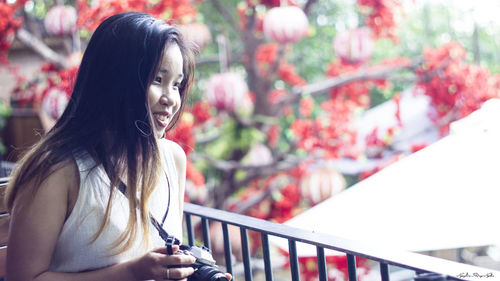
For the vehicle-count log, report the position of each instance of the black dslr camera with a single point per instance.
(204, 266)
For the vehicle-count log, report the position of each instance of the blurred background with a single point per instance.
(295, 101)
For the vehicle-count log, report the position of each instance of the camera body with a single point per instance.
(205, 268)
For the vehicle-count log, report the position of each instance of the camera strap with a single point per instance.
(170, 240)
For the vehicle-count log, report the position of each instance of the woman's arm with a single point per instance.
(36, 221)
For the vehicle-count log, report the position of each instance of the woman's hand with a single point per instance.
(158, 265)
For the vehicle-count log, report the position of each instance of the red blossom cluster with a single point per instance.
(201, 111)
(266, 56)
(285, 207)
(380, 16)
(183, 135)
(331, 132)
(306, 106)
(288, 73)
(456, 88)
(273, 135)
(90, 15)
(31, 93)
(9, 23)
(194, 175)
(357, 92)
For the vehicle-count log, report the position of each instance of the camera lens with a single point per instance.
(208, 273)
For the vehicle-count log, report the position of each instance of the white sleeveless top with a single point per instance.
(74, 251)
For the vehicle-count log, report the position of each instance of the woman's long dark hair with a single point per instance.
(108, 116)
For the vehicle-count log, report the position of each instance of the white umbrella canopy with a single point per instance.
(444, 196)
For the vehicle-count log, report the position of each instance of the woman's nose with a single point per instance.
(166, 99)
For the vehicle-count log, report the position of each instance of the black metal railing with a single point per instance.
(419, 263)
(385, 257)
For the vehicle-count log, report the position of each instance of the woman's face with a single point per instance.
(163, 94)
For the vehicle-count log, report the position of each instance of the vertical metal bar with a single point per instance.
(321, 263)
(227, 248)
(294, 261)
(190, 232)
(384, 271)
(206, 234)
(267, 258)
(246, 254)
(351, 267)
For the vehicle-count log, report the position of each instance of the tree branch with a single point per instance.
(363, 74)
(40, 47)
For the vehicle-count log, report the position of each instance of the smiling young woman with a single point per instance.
(81, 199)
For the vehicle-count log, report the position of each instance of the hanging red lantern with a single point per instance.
(320, 183)
(354, 45)
(61, 20)
(196, 32)
(226, 91)
(286, 24)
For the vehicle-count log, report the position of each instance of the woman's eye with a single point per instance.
(177, 85)
(157, 79)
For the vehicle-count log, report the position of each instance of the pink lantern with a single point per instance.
(196, 32)
(354, 45)
(54, 103)
(321, 183)
(60, 20)
(286, 24)
(226, 91)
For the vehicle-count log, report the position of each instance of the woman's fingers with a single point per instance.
(163, 250)
(178, 273)
(229, 276)
(177, 260)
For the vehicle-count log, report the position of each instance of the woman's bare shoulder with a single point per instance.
(62, 179)
(177, 152)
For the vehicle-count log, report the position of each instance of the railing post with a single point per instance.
(246, 254)
(294, 261)
(384, 271)
(227, 248)
(189, 228)
(267, 259)
(351, 267)
(321, 264)
(206, 234)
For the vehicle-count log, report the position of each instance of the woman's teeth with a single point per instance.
(161, 117)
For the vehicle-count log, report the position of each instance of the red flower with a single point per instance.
(380, 16)
(288, 73)
(306, 106)
(455, 87)
(183, 135)
(201, 111)
(8, 26)
(193, 174)
(273, 135)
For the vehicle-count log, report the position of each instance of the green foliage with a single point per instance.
(4, 113)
